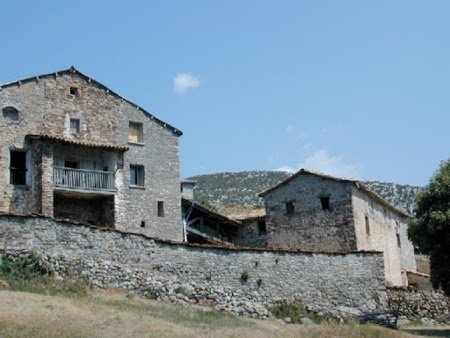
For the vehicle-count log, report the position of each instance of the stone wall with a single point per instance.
(236, 281)
(412, 305)
(309, 226)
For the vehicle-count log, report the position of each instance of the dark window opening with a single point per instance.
(367, 225)
(290, 208)
(74, 126)
(399, 243)
(10, 114)
(143, 224)
(74, 91)
(325, 202)
(71, 164)
(18, 168)
(137, 175)
(160, 209)
(262, 227)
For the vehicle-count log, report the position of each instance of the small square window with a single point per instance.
(289, 208)
(136, 175)
(74, 126)
(74, 91)
(325, 202)
(262, 230)
(160, 209)
(143, 224)
(135, 134)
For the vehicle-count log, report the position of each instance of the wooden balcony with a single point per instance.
(83, 179)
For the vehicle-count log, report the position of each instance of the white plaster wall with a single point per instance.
(384, 225)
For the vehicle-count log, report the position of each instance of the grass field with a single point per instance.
(113, 313)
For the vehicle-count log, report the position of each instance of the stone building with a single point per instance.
(316, 212)
(71, 148)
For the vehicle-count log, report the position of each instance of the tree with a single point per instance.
(430, 230)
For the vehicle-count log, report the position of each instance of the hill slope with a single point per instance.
(242, 188)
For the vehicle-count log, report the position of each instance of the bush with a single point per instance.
(244, 275)
(21, 269)
(295, 311)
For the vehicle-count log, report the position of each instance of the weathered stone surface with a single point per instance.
(201, 275)
(411, 304)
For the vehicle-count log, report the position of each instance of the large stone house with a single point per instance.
(71, 148)
(316, 212)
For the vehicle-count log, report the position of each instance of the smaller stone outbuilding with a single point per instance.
(316, 212)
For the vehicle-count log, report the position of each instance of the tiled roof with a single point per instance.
(73, 70)
(357, 183)
(79, 142)
(248, 214)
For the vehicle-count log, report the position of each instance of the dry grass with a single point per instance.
(112, 314)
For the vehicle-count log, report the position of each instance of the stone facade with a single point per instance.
(308, 226)
(68, 120)
(243, 282)
(412, 305)
(317, 212)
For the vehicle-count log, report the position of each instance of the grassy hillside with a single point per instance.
(242, 188)
(112, 313)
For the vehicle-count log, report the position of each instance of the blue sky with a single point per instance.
(352, 88)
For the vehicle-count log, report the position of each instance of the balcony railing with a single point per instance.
(83, 179)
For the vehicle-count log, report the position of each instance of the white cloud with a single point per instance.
(183, 82)
(323, 162)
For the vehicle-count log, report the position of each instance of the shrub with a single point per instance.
(152, 293)
(244, 275)
(295, 311)
(21, 269)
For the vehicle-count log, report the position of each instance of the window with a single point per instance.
(71, 164)
(74, 126)
(74, 91)
(143, 224)
(367, 225)
(399, 243)
(325, 202)
(262, 227)
(290, 208)
(10, 114)
(160, 209)
(135, 132)
(137, 175)
(18, 167)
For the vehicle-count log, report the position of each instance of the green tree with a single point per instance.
(430, 230)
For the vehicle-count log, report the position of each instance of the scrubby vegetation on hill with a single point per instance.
(242, 188)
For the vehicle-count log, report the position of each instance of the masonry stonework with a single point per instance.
(339, 284)
(309, 226)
